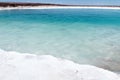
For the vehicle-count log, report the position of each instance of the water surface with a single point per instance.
(86, 36)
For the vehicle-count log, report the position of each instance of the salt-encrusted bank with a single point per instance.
(19, 66)
(57, 7)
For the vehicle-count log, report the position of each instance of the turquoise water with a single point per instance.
(86, 36)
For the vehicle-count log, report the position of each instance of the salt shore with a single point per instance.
(19, 66)
(58, 7)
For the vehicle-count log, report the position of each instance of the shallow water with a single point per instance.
(86, 36)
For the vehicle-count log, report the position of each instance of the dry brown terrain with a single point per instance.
(16, 4)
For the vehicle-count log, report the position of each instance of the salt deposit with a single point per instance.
(19, 66)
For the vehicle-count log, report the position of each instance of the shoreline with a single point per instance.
(58, 7)
(26, 5)
(17, 65)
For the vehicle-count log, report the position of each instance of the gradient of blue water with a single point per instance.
(87, 36)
